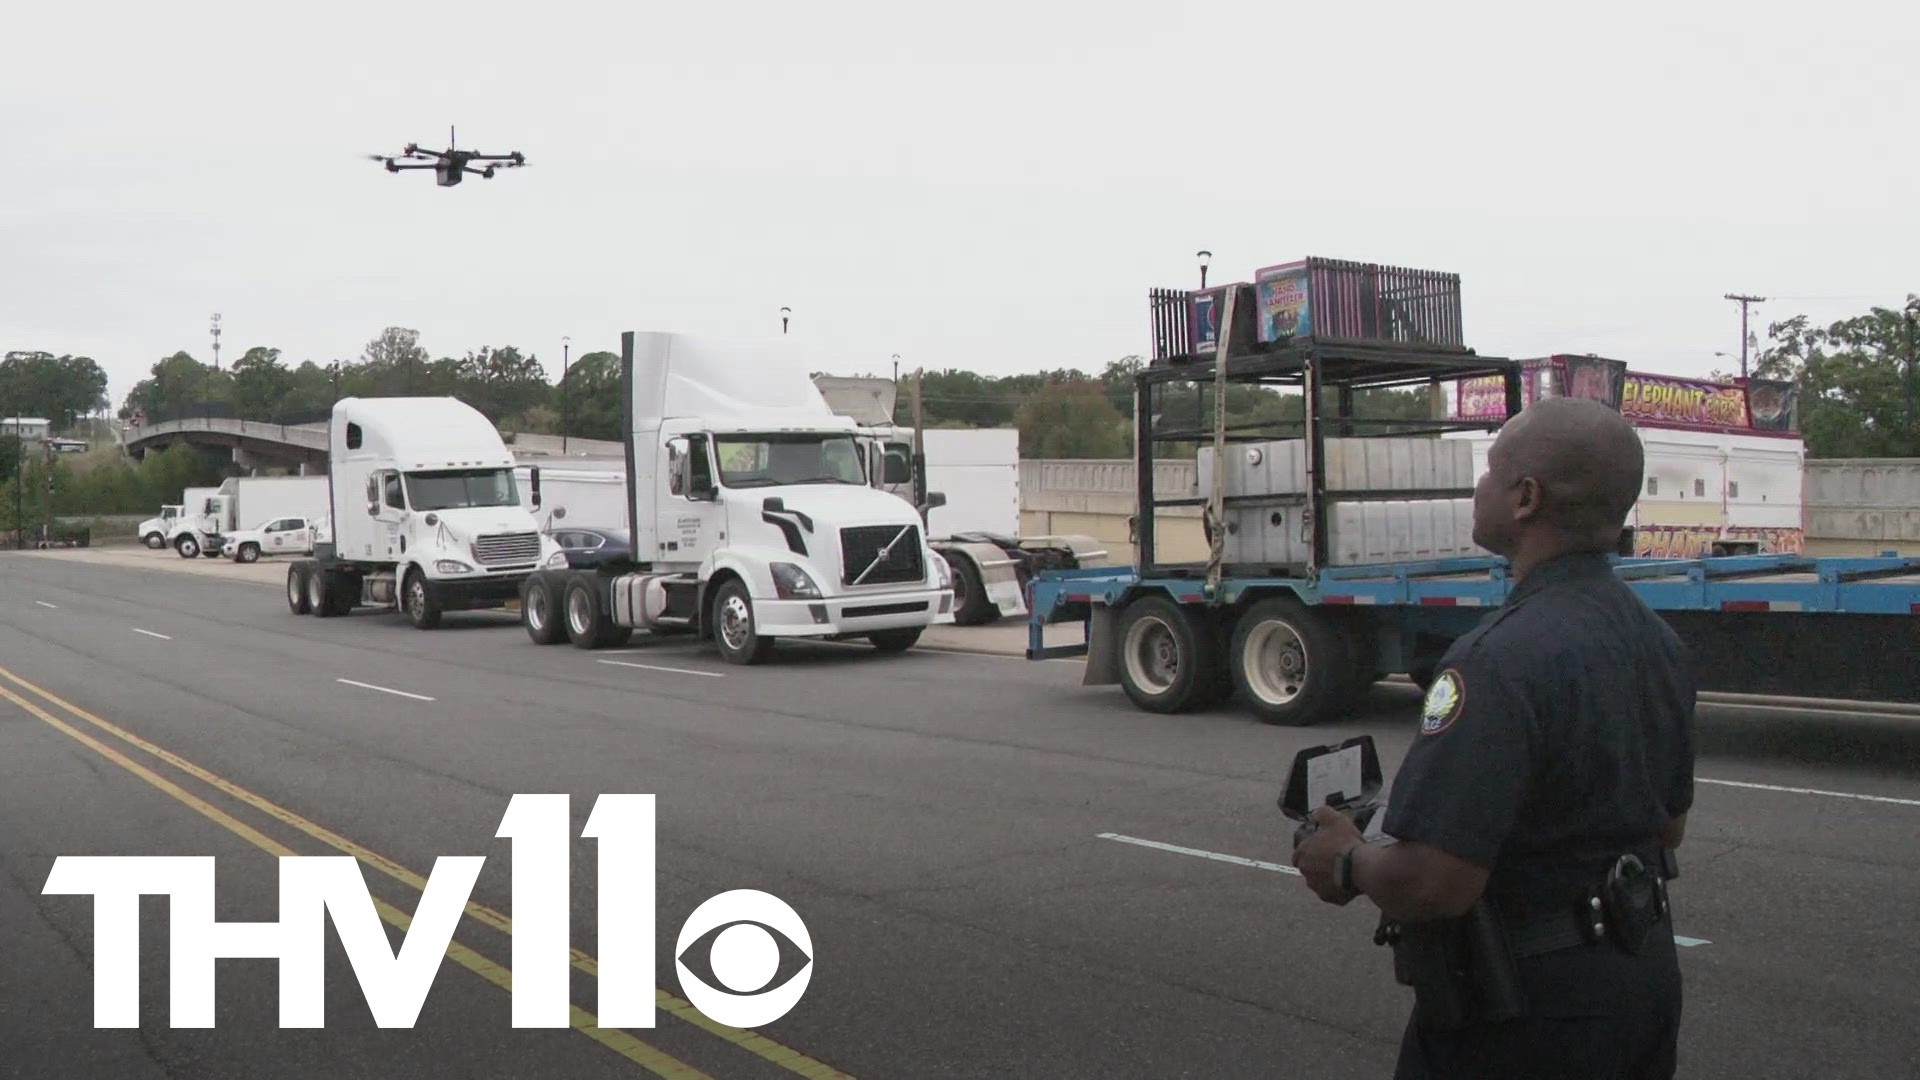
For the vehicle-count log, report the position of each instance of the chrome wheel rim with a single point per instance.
(736, 622)
(293, 589)
(314, 596)
(537, 608)
(417, 598)
(577, 613)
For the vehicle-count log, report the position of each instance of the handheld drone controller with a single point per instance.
(1345, 776)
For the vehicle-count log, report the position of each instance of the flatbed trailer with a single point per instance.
(1837, 628)
(1298, 622)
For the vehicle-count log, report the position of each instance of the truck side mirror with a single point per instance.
(373, 509)
(936, 499)
(533, 481)
(773, 504)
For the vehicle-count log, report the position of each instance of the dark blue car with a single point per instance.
(592, 545)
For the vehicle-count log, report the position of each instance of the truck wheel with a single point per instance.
(733, 626)
(297, 588)
(247, 553)
(588, 624)
(970, 605)
(421, 602)
(1288, 664)
(188, 547)
(895, 641)
(154, 540)
(540, 615)
(320, 593)
(1167, 660)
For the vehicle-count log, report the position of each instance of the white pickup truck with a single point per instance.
(281, 536)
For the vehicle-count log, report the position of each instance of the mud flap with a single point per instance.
(1103, 659)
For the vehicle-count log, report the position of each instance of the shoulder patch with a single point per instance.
(1445, 698)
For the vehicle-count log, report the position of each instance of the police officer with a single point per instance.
(1530, 830)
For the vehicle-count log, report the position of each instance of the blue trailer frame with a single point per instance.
(1747, 614)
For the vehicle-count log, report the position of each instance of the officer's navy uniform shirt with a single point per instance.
(1556, 733)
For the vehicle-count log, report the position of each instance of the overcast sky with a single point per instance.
(994, 187)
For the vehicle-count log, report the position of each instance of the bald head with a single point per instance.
(1586, 463)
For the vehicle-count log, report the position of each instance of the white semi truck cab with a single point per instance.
(424, 512)
(976, 476)
(751, 516)
(154, 531)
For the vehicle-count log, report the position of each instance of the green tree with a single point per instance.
(61, 389)
(500, 382)
(176, 382)
(1072, 418)
(260, 385)
(1855, 380)
(589, 397)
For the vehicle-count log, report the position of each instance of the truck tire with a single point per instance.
(1289, 665)
(589, 626)
(733, 625)
(897, 640)
(248, 552)
(343, 593)
(420, 600)
(540, 613)
(188, 547)
(297, 588)
(320, 587)
(154, 540)
(1168, 660)
(970, 604)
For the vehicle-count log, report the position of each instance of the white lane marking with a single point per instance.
(150, 633)
(1282, 868)
(1811, 791)
(43, 603)
(656, 667)
(384, 690)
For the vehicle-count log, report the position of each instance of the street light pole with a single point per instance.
(1743, 301)
(566, 361)
(1206, 259)
(785, 314)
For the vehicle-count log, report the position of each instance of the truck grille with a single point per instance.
(860, 545)
(508, 549)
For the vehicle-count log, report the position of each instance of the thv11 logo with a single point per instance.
(742, 930)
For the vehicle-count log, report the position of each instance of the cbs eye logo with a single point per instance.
(744, 958)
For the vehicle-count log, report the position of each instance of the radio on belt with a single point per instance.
(1345, 776)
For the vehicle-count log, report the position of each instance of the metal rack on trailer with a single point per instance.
(1300, 636)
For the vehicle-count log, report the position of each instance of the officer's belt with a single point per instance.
(1553, 928)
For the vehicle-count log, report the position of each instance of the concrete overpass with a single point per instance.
(256, 444)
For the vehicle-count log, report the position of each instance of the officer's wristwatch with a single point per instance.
(1343, 870)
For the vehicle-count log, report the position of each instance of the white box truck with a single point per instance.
(425, 515)
(750, 513)
(976, 529)
(250, 502)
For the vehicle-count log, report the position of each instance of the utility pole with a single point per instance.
(566, 354)
(1743, 301)
(216, 341)
(1913, 315)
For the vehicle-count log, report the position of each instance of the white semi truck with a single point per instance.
(154, 531)
(586, 493)
(243, 502)
(976, 530)
(425, 515)
(750, 514)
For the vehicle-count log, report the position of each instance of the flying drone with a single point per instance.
(452, 164)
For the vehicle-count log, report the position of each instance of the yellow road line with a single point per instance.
(784, 1056)
(655, 1061)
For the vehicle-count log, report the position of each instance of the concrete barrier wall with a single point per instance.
(1860, 506)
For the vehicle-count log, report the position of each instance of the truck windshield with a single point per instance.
(455, 488)
(768, 460)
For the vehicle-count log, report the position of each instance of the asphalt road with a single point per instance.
(960, 833)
